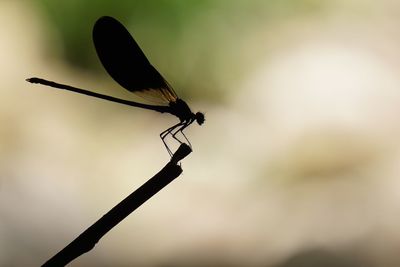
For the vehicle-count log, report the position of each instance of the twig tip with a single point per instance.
(181, 153)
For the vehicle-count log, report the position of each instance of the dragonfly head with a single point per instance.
(199, 118)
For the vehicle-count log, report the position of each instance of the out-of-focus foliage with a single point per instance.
(198, 45)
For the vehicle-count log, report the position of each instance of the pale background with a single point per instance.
(298, 162)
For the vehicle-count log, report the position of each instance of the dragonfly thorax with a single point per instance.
(180, 109)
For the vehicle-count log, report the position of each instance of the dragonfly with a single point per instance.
(126, 63)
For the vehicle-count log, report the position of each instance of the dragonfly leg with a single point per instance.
(183, 126)
(185, 136)
(164, 134)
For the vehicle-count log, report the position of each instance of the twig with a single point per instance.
(88, 239)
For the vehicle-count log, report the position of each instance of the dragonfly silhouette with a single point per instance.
(126, 63)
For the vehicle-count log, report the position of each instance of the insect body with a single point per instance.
(126, 63)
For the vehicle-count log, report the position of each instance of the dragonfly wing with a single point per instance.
(126, 63)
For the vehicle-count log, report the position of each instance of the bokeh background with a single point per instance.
(298, 162)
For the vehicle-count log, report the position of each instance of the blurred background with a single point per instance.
(296, 165)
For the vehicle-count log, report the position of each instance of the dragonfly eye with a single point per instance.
(200, 118)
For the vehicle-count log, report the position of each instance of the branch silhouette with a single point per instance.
(87, 240)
